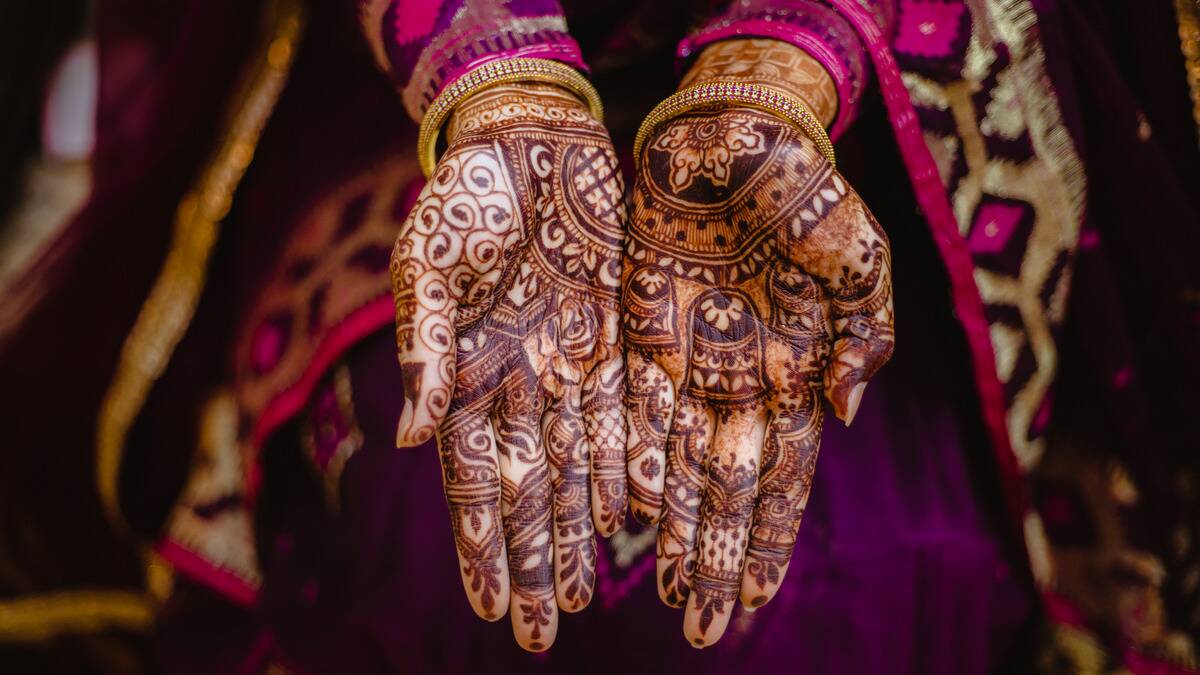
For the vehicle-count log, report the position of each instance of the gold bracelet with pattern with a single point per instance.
(785, 106)
(495, 73)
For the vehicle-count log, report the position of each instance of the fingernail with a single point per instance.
(853, 400)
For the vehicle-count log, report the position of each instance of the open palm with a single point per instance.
(506, 277)
(755, 283)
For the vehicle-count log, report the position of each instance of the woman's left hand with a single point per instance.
(756, 283)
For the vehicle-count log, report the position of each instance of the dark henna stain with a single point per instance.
(778, 292)
(505, 275)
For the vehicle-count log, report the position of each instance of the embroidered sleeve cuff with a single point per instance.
(425, 45)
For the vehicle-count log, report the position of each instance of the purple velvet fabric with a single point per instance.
(899, 567)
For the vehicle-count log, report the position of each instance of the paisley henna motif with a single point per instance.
(506, 277)
(756, 284)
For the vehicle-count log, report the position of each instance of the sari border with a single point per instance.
(189, 563)
(934, 202)
(167, 312)
(40, 617)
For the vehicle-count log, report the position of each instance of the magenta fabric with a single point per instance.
(430, 43)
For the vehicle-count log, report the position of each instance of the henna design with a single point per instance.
(649, 399)
(687, 445)
(606, 430)
(526, 508)
(472, 484)
(707, 150)
(725, 516)
(506, 275)
(756, 283)
(773, 63)
(725, 350)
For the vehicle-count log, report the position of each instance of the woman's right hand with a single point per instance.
(506, 275)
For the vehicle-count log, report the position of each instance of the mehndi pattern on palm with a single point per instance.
(506, 278)
(756, 283)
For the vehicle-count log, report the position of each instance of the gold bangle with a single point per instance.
(763, 98)
(491, 74)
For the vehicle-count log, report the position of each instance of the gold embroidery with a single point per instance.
(1052, 182)
(1041, 564)
(168, 310)
(39, 617)
(1004, 118)
(1188, 12)
(349, 287)
(924, 93)
(1058, 176)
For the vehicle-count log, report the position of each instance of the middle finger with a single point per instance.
(525, 504)
(731, 481)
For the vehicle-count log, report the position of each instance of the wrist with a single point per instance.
(770, 63)
(491, 75)
(502, 105)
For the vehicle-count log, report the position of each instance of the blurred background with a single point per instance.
(102, 614)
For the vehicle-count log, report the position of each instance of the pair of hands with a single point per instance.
(575, 362)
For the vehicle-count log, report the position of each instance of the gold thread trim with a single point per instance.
(1015, 22)
(1188, 12)
(40, 617)
(168, 310)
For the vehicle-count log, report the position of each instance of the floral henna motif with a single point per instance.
(706, 150)
(750, 293)
(687, 444)
(789, 461)
(506, 277)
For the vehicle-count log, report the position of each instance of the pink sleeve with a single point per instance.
(812, 25)
(424, 45)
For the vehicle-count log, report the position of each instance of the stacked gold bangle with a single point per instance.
(782, 105)
(494, 73)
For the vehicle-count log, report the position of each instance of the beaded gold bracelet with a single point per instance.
(782, 105)
(495, 73)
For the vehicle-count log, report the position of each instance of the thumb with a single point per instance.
(861, 347)
(425, 311)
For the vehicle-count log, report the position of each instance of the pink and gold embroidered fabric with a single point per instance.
(424, 45)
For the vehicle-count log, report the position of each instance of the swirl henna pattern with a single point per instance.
(506, 277)
(755, 283)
